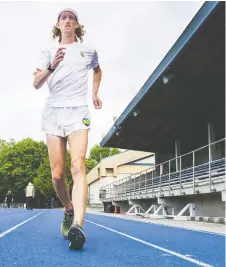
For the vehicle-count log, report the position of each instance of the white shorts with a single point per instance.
(63, 121)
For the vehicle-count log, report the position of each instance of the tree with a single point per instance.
(90, 164)
(97, 152)
(43, 181)
(19, 164)
(114, 151)
(28, 160)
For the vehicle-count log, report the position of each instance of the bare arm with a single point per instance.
(41, 76)
(97, 75)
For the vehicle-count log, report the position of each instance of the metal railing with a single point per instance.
(201, 165)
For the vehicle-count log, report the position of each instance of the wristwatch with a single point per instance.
(50, 68)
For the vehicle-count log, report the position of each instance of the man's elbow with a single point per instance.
(97, 69)
(37, 82)
(36, 85)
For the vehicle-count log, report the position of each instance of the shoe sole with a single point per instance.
(76, 238)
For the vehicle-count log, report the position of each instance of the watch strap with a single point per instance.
(50, 68)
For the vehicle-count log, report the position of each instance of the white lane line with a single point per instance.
(18, 225)
(16, 211)
(200, 263)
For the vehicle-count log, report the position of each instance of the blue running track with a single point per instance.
(32, 238)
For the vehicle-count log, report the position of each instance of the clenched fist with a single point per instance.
(58, 57)
(97, 102)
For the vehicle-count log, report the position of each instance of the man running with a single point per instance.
(66, 117)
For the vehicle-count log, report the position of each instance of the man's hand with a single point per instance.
(58, 57)
(97, 102)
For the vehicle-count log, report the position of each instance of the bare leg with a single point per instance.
(78, 146)
(57, 153)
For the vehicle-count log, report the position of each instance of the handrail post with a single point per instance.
(161, 171)
(125, 187)
(193, 163)
(210, 159)
(152, 180)
(134, 186)
(169, 178)
(180, 175)
(130, 187)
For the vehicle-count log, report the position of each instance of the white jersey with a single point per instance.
(68, 84)
(30, 191)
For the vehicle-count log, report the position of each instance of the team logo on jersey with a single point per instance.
(86, 121)
(82, 54)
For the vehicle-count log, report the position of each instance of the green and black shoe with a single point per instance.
(66, 224)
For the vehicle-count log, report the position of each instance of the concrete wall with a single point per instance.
(147, 160)
(109, 166)
(107, 180)
(206, 204)
(94, 193)
(122, 175)
(129, 169)
(94, 188)
(108, 171)
(126, 205)
(209, 205)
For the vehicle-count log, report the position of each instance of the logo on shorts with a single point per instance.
(86, 121)
(82, 54)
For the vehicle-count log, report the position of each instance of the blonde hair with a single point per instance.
(79, 33)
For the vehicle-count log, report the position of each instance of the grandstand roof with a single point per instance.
(174, 93)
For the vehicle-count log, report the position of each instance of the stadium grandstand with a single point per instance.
(179, 114)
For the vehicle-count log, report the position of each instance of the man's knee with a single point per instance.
(78, 166)
(57, 174)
